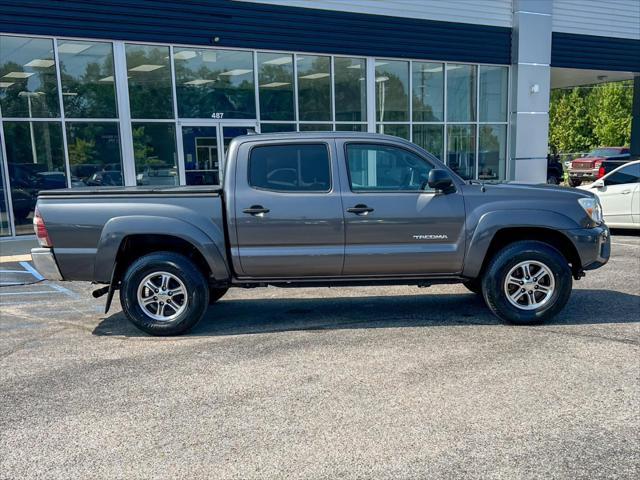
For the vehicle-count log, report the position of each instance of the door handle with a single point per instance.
(360, 209)
(256, 210)
(626, 191)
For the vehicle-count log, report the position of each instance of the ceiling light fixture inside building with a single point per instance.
(278, 61)
(146, 68)
(39, 63)
(18, 75)
(73, 48)
(236, 72)
(184, 55)
(315, 76)
(275, 84)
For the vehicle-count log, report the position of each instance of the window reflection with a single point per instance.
(154, 146)
(492, 152)
(4, 216)
(392, 91)
(314, 88)
(149, 79)
(277, 127)
(461, 147)
(94, 154)
(214, 83)
(275, 78)
(316, 127)
(350, 89)
(493, 93)
(430, 138)
(396, 130)
(428, 92)
(28, 83)
(461, 93)
(35, 162)
(88, 84)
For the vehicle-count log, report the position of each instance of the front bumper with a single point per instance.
(583, 174)
(593, 246)
(45, 263)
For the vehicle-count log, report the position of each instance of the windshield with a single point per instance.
(604, 152)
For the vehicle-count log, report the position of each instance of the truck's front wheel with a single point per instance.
(164, 293)
(527, 282)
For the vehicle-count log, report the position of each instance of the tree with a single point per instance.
(610, 114)
(569, 122)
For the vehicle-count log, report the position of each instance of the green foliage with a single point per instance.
(585, 117)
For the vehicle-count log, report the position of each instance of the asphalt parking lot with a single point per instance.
(389, 382)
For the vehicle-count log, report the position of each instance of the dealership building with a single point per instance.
(150, 92)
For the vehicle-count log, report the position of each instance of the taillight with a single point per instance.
(41, 230)
(601, 172)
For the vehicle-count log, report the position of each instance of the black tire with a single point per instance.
(197, 293)
(474, 286)
(500, 265)
(574, 182)
(216, 294)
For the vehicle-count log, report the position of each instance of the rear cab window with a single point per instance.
(303, 167)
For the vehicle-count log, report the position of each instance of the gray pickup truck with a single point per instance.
(321, 209)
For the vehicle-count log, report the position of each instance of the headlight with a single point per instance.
(593, 208)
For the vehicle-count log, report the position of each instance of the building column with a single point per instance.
(635, 118)
(530, 89)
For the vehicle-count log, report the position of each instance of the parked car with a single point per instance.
(619, 194)
(321, 209)
(555, 172)
(597, 163)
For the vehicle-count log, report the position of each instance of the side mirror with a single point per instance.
(440, 179)
(598, 184)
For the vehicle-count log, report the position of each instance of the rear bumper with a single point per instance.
(45, 263)
(593, 245)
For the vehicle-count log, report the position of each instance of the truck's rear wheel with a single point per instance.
(164, 293)
(527, 282)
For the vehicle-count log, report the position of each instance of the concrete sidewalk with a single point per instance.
(17, 250)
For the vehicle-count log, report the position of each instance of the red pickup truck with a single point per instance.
(597, 163)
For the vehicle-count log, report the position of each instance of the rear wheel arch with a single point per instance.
(124, 239)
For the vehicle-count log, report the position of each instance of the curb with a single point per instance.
(15, 258)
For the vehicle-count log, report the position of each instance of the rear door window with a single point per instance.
(290, 168)
(629, 174)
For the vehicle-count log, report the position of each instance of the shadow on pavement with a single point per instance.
(238, 317)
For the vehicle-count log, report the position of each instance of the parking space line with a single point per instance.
(625, 244)
(31, 270)
(66, 291)
(39, 292)
(15, 271)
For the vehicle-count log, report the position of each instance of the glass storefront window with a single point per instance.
(492, 152)
(493, 93)
(88, 82)
(429, 137)
(350, 84)
(396, 130)
(214, 83)
(392, 91)
(201, 162)
(351, 127)
(94, 154)
(314, 88)
(28, 83)
(461, 147)
(35, 161)
(461, 93)
(154, 151)
(277, 127)
(428, 92)
(4, 215)
(149, 80)
(316, 127)
(275, 81)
